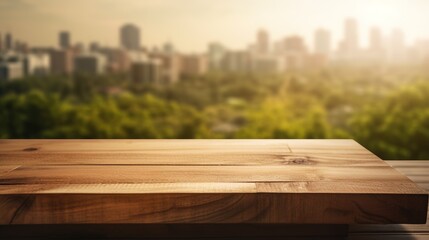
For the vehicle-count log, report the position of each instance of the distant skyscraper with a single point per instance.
(130, 37)
(90, 64)
(64, 40)
(61, 61)
(397, 47)
(262, 42)
(8, 42)
(149, 71)
(295, 44)
(322, 42)
(215, 54)
(351, 36)
(1, 42)
(168, 48)
(375, 39)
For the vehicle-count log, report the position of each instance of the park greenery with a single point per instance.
(386, 109)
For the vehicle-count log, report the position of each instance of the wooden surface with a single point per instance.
(202, 181)
(418, 171)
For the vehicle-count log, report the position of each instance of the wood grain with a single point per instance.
(203, 181)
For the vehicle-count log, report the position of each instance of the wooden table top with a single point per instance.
(202, 181)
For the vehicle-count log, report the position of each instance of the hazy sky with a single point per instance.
(191, 24)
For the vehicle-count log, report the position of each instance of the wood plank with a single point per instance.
(399, 164)
(176, 231)
(153, 145)
(203, 181)
(214, 208)
(161, 174)
(332, 146)
(379, 187)
(188, 159)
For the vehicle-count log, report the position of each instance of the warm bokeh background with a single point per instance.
(218, 69)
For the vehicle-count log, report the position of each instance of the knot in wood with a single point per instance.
(30, 149)
(297, 160)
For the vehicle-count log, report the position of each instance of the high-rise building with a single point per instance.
(237, 61)
(64, 40)
(215, 54)
(193, 65)
(147, 71)
(117, 59)
(168, 48)
(36, 64)
(130, 37)
(1, 42)
(8, 42)
(94, 47)
(322, 42)
(262, 42)
(61, 61)
(90, 64)
(375, 39)
(11, 66)
(295, 53)
(351, 36)
(397, 48)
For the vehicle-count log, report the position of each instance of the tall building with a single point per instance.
(11, 67)
(8, 42)
(351, 35)
(168, 48)
(193, 65)
(64, 40)
(295, 53)
(130, 37)
(322, 42)
(262, 42)
(375, 39)
(237, 61)
(147, 71)
(349, 50)
(117, 59)
(1, 42)
(397, 48)
(36, 64)
(61, 61)
(215, 54)
(90, 64)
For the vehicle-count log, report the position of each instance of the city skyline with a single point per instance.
(157, 27)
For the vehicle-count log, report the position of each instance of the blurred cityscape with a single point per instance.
(19, 58)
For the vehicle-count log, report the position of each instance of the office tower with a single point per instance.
(94, 47)
(146, 71)
(1, 42)
(193, 65)
(130, 37)
(322, 42)
(262, 42)
(168, 48)
(375, 39)
(216, 52)
(11, 67)
(8, 42)
(294, 44)
(117, 59)
(397, 49)
(90, 64)
(295, 52)
(36, 64)
(61, 61)
(64, 40)
(237, 61)
(351, 36)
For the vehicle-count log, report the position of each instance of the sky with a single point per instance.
(191, 24)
